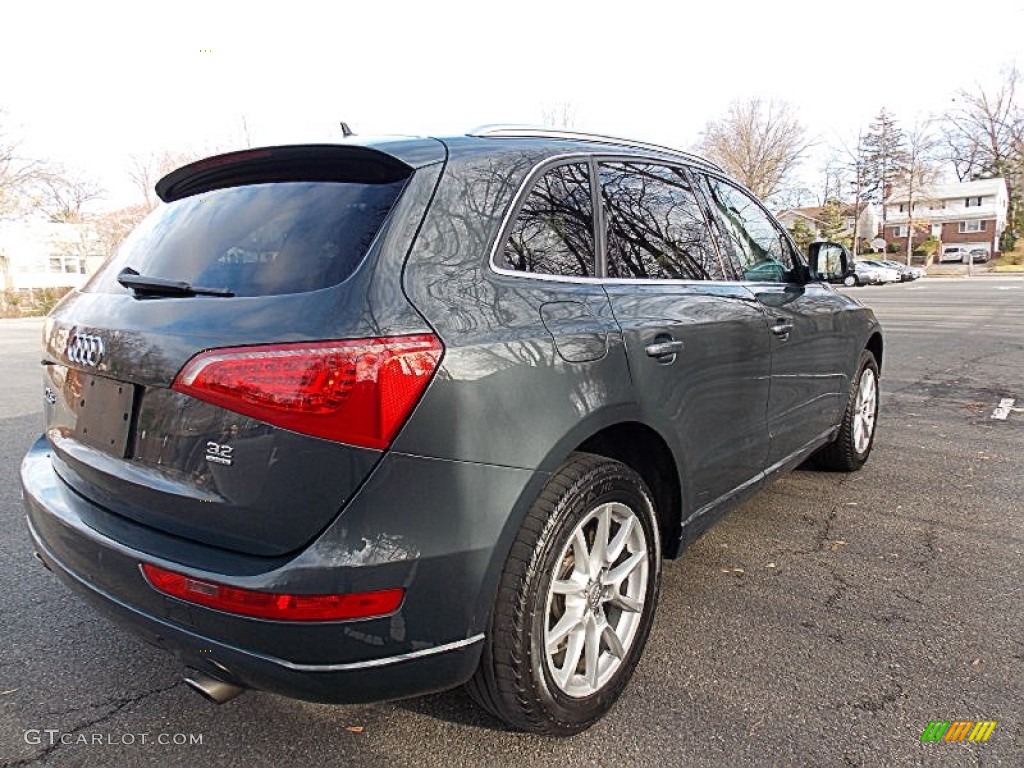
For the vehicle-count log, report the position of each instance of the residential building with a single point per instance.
(814, 217)
(36, 253)
(971, 214)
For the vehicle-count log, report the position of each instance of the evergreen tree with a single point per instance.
(832, 225)
(884, 154)
(802, 234)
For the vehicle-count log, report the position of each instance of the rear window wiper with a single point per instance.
(159, 286)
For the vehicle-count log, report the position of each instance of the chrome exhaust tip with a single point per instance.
(212, 689)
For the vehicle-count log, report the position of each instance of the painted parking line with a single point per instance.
(1002, 410)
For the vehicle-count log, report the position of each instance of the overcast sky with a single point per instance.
(89, 83)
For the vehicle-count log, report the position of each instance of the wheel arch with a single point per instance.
(643, 450)
(875, 346)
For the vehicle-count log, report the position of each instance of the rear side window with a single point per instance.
(553, 233)
(655, 225)
(258, 239)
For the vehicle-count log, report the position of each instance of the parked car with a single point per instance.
(979, 255)
(954, 253)
(871, 273)
(369, 420)
(906, 273)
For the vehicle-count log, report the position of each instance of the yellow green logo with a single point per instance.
(958, 730)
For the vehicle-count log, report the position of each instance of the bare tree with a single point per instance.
(833, 174)
(113, 227)
(984, 136)
(17, 174)
(919, 172)
(146, 170)
(246, 131)
(560, 115)
(63, 196)
(855, 169)
(760, 143)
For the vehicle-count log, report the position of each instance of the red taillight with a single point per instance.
(274, 605)
(359, 391)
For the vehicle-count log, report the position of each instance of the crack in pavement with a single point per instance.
(119, 702)
(878, 703)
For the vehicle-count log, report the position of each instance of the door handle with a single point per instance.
(782, 328)
(663, 348)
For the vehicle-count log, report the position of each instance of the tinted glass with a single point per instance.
(553, 233)
(760, 250)
(655, 225)
(257, 240)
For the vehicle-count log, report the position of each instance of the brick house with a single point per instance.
(971, 214)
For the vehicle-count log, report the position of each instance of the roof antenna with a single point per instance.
(346, 131)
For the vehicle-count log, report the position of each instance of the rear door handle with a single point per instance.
(782, 328)
(663, 348)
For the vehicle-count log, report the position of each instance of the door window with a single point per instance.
(759, 250)
(655, 227)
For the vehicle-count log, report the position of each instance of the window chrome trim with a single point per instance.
(592, 160)
(525, 188)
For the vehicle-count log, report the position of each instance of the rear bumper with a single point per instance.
(432, 643)
(390, 677)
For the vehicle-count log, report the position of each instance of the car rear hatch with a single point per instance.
(234, 372)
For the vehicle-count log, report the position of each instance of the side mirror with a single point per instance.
(830, 262)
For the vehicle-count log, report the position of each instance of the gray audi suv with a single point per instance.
(368, 420)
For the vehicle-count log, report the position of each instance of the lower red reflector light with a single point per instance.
(274, 605)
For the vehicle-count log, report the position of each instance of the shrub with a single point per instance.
(33, 301)
(47, 298)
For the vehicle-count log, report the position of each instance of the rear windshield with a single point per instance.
(257, 240)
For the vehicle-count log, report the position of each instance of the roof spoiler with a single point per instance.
(305, 162)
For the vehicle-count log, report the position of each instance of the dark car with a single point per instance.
(362, 421)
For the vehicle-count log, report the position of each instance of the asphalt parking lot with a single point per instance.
(824, 623)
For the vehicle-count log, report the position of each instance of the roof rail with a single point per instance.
(538, 132)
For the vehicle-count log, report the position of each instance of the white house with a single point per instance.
(971, 214)
(35, 253)
(813, 216)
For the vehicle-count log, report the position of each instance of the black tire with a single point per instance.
(515, 681)
(842, 454)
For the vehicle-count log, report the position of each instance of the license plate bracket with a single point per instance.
(103, 412)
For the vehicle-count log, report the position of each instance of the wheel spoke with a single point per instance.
(573, 651)
(567, 586)
(624, 603)
(617, 544)
(592, 652)
(617, 574)
(595, 572)
(580, 552)
(869, 393)
(612, 640)
(557, 633)
(599, 550)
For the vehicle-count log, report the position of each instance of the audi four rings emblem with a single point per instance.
(85, 349)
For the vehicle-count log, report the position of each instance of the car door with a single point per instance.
(697, 345)
(807, 344)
